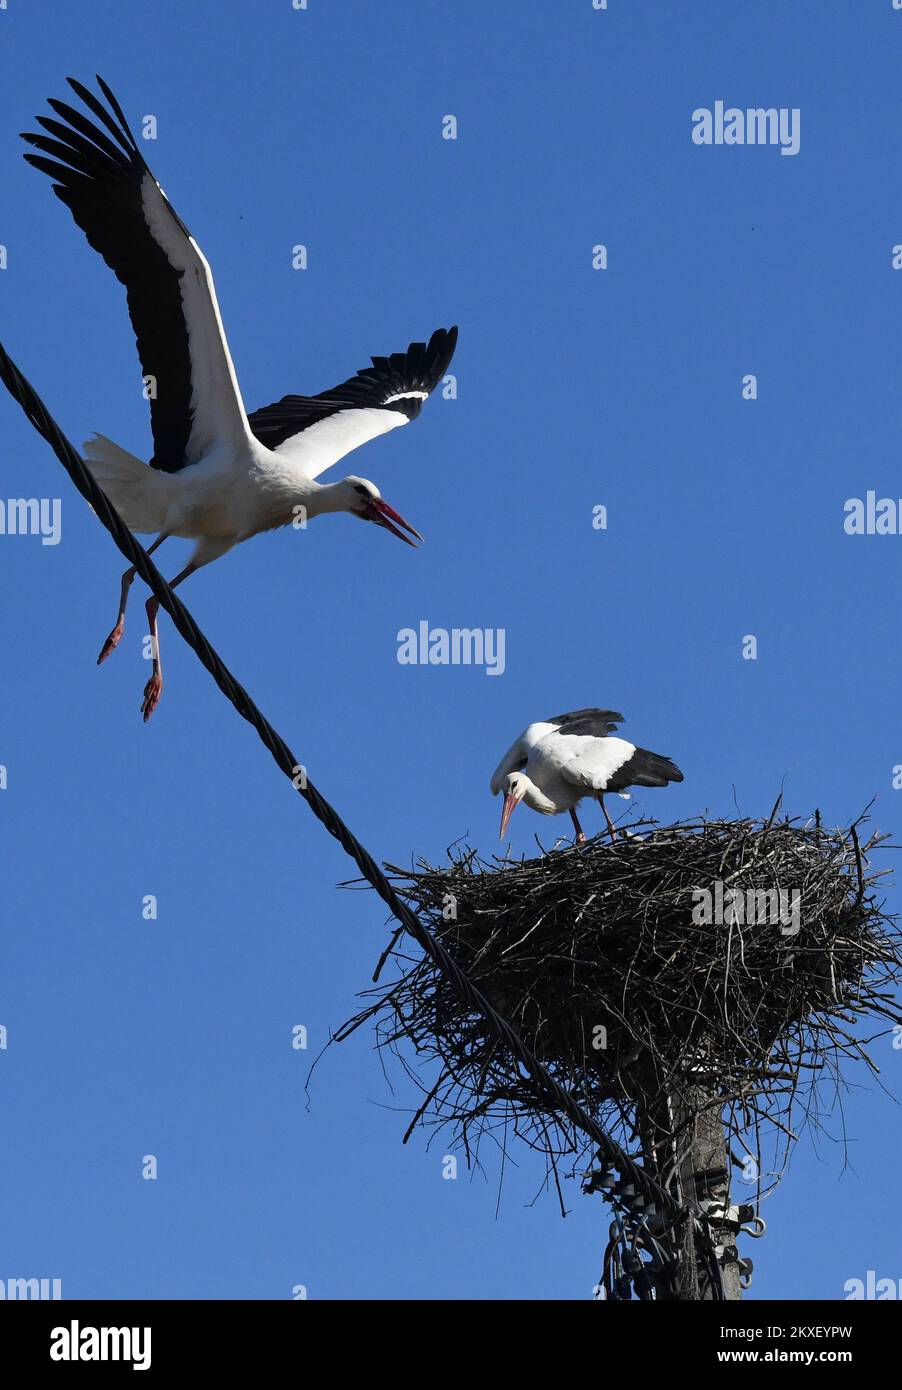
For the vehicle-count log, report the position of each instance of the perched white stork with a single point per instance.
(217, 475)
(557, 762)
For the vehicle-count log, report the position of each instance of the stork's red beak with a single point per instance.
(510, 805)
(384, 515)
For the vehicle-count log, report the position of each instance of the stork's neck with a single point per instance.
(284, 497)
(537, 800)
(326, 497)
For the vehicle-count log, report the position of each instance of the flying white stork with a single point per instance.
(217, 475)
(556, 762)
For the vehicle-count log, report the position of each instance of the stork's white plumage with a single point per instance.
(558, 761)
(217, 475)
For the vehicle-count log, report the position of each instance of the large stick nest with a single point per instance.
(602, 959)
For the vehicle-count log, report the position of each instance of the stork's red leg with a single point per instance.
(154, 687)
(115, 637)
(580, 837)
(607, 817)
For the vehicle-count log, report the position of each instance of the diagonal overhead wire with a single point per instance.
(555, 1094)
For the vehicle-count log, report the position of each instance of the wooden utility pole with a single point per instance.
(685, 1147)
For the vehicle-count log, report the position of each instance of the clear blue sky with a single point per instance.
(577, 388)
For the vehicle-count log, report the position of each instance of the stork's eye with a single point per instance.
(358, 487)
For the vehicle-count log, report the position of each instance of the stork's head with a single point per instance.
(514, 787)
(363, 499)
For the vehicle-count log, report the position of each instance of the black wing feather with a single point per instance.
(644, 769)
(598, 722)
(98, 174)
(420, 368)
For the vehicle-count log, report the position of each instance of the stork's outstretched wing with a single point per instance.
(102, 177)
(316, 431)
